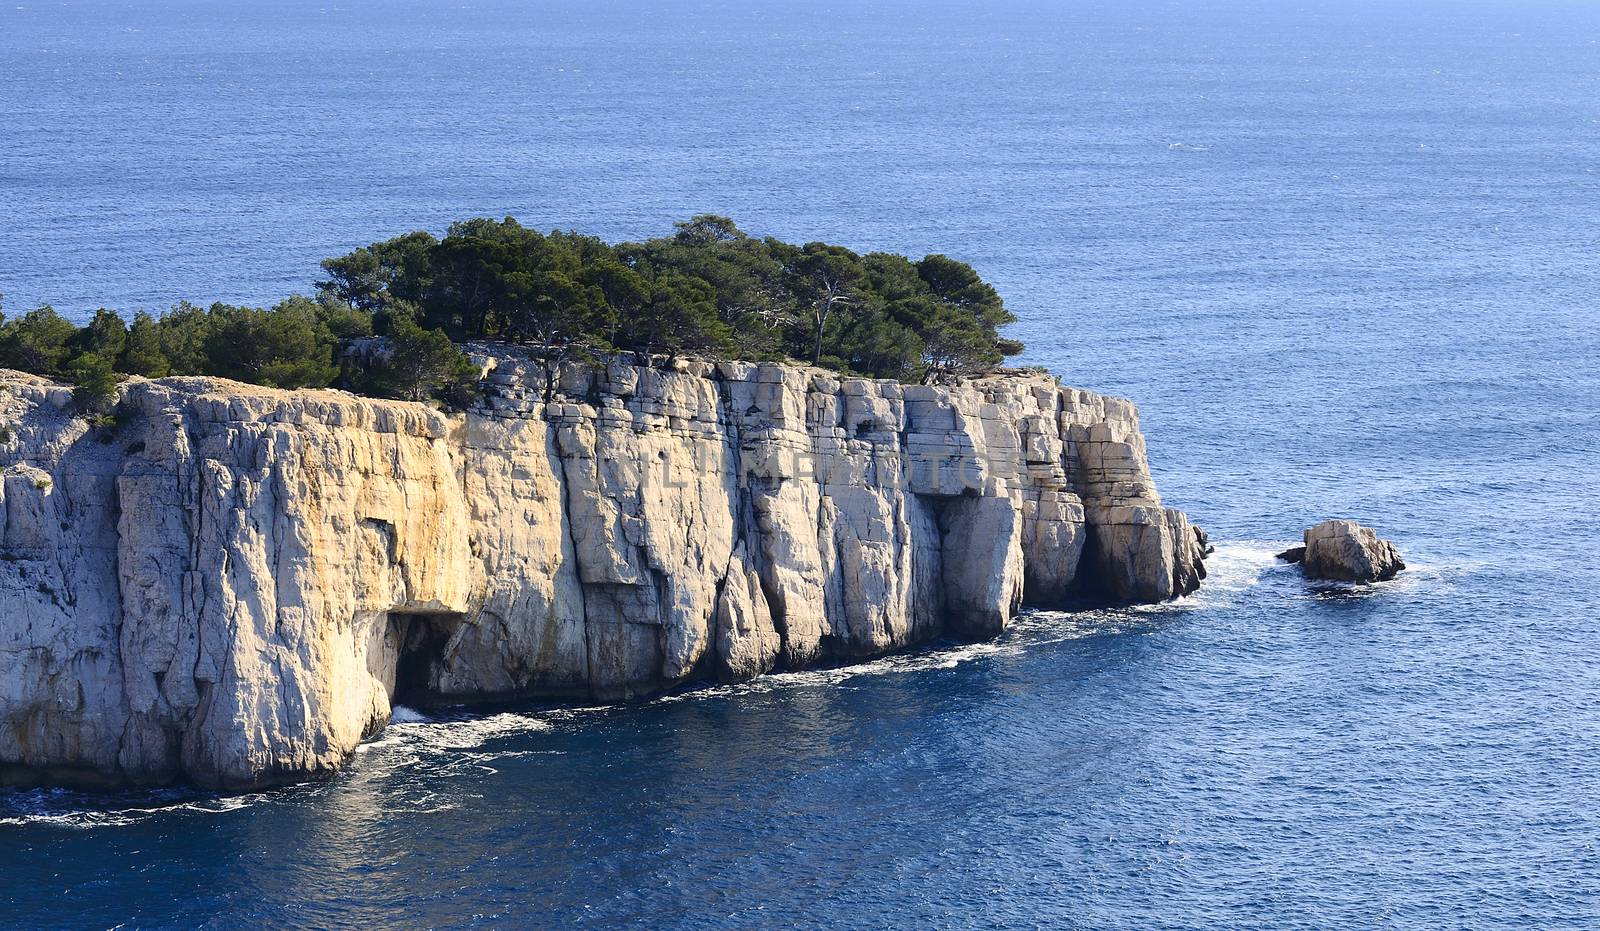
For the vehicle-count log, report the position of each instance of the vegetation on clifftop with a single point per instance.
(709, 290)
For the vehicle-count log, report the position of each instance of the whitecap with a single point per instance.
(402, 714)
(1238, 566)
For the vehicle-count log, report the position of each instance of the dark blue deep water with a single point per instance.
(1345, 254)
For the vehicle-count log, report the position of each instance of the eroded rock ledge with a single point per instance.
(233, 584)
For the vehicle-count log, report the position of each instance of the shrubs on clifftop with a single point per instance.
(410, 364)
(94, 381)
(290, 345)
(708, 289)
(386, 315)
(37, 342)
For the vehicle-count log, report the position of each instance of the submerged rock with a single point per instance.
(1345, 551)
(235, 585)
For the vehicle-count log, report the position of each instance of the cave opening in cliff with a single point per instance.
(420, 641)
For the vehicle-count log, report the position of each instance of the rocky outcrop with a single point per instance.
(232, 585)
(1345, 551)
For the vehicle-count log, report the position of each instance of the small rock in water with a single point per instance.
(1293, 554)
(1345, 551)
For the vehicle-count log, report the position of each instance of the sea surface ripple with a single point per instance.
(1343, 254)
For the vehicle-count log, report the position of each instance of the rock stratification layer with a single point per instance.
(231, 585)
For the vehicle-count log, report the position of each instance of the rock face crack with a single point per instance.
(237, 590)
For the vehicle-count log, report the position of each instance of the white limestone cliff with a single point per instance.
(231, 584)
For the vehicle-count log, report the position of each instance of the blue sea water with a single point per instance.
(1345, 255)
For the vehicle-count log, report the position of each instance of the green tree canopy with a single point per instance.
(413, 364)
(39, 341)
(708, 289)
(879, 314)
(287, 346)
(144, 352)
(94, 381)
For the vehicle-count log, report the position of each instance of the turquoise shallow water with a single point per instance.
(1344, 254)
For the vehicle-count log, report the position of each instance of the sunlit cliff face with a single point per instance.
(230, 584)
